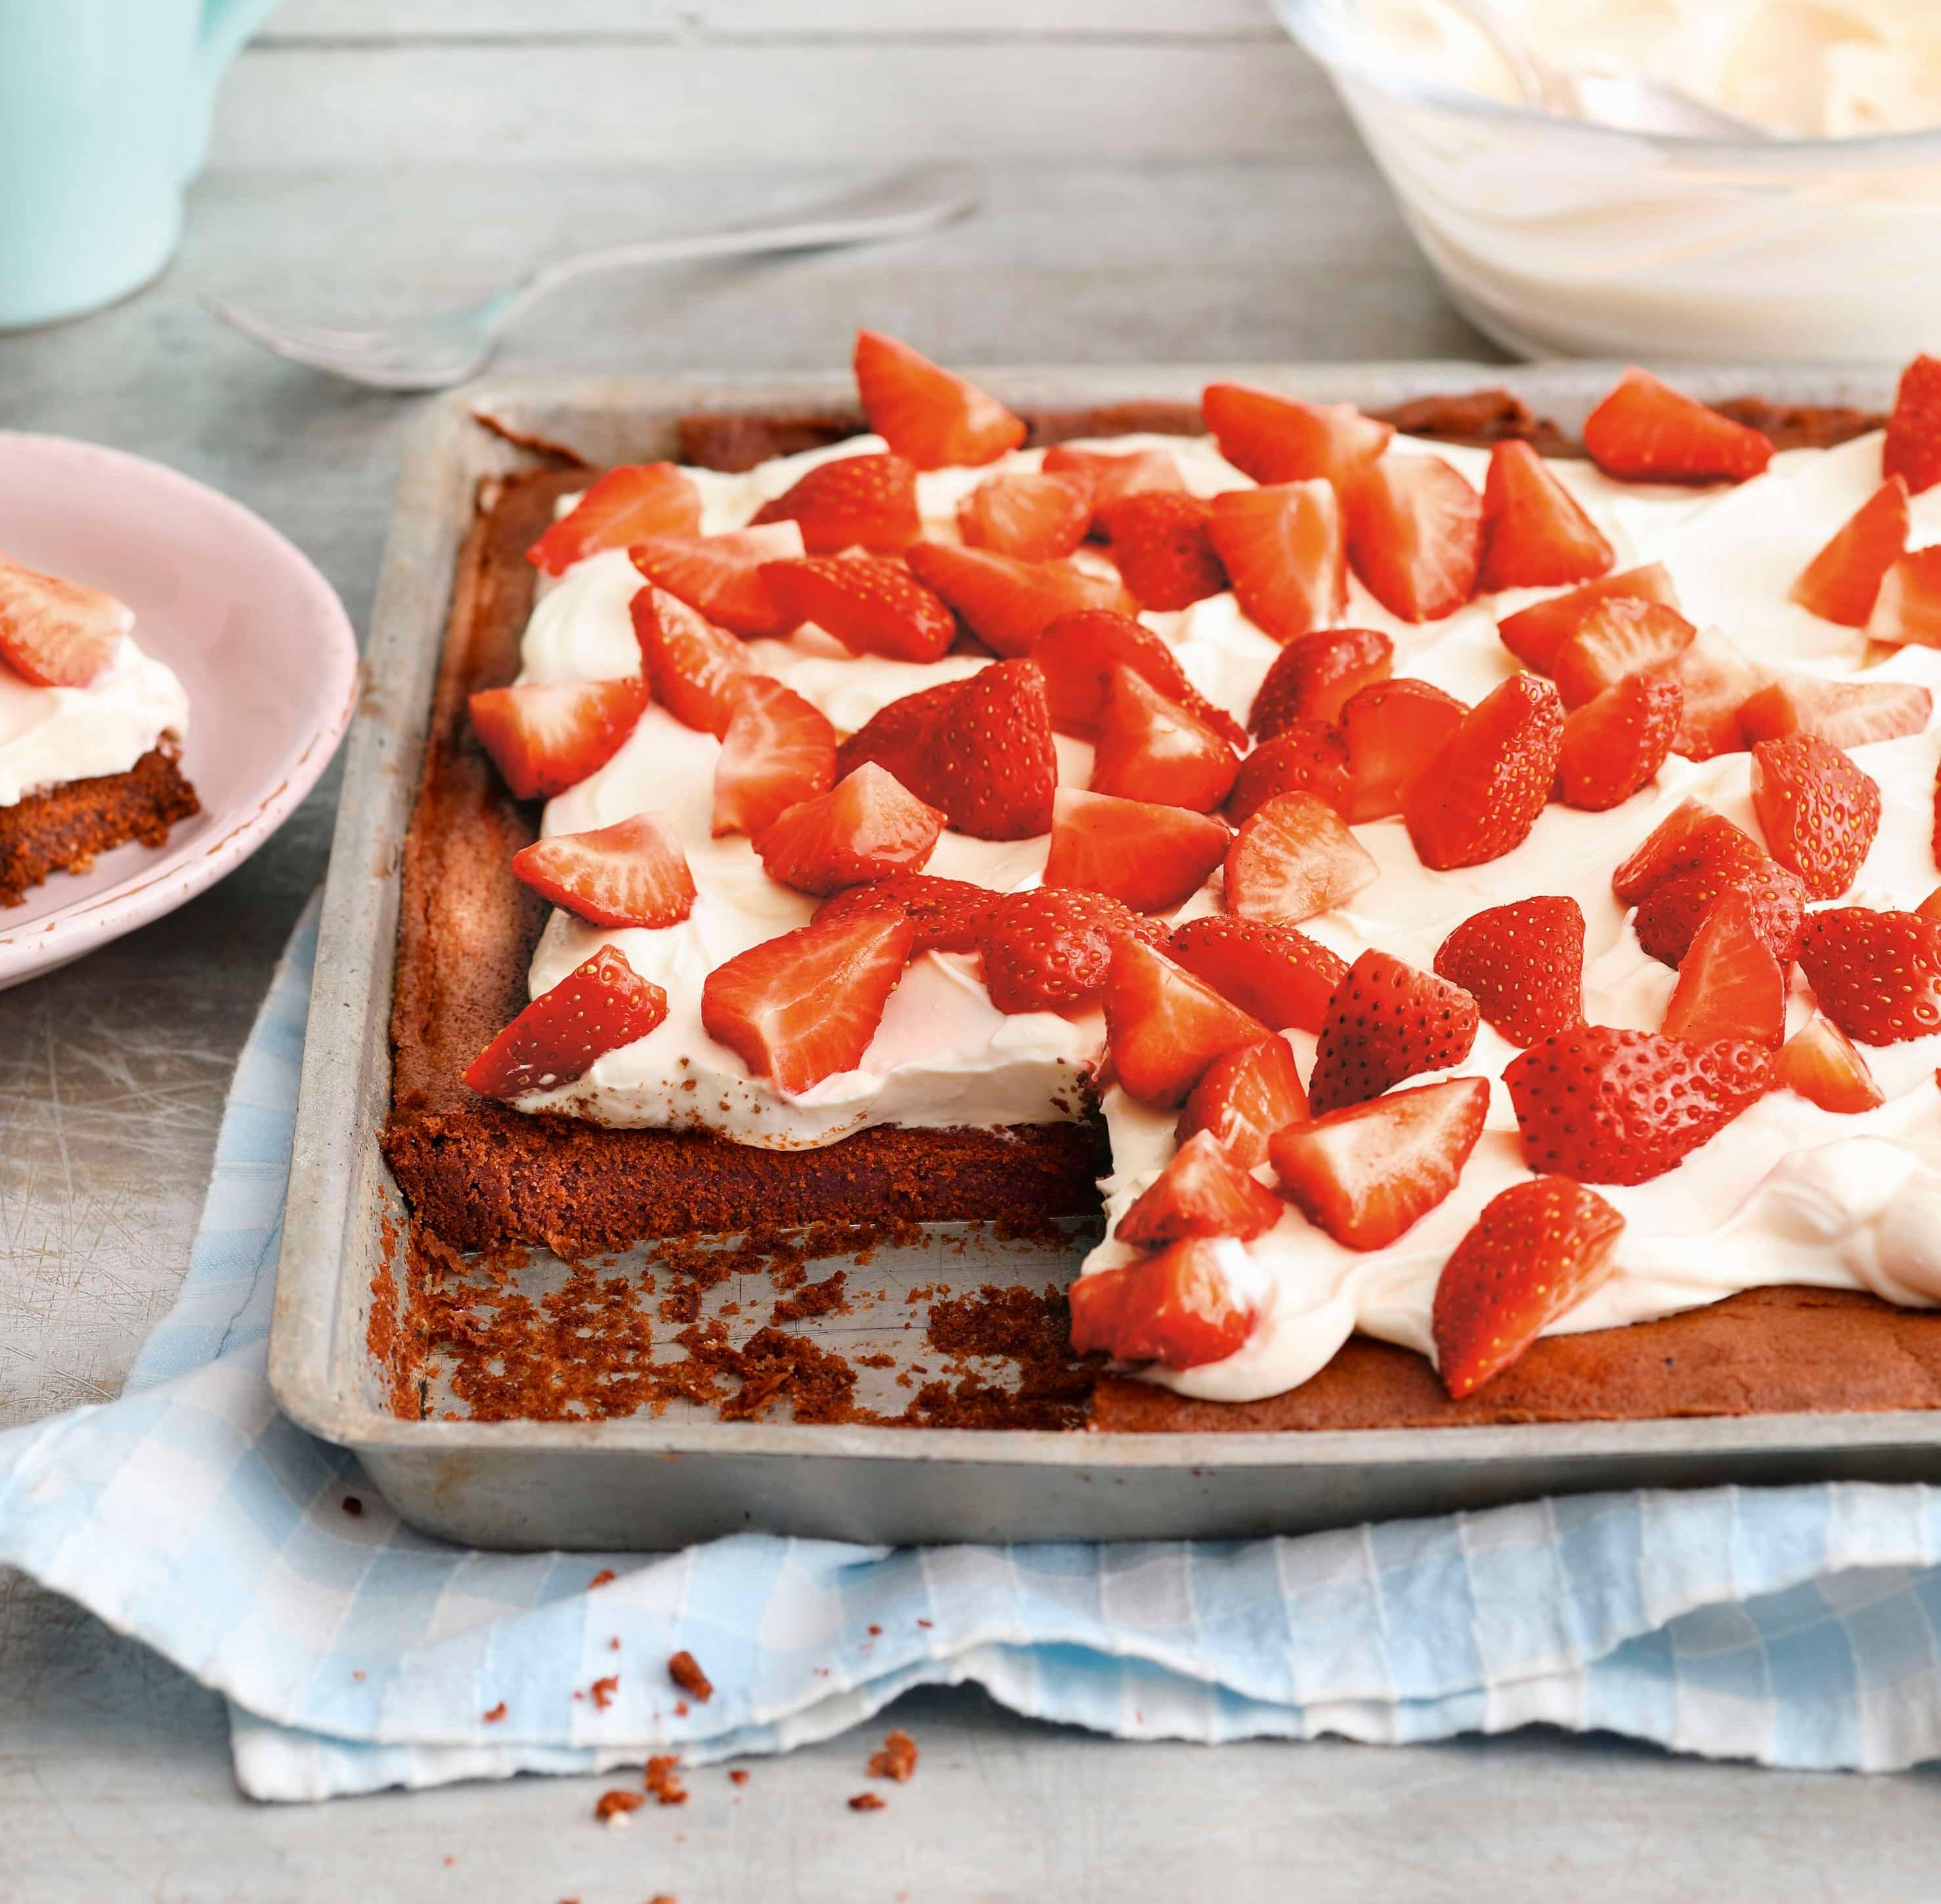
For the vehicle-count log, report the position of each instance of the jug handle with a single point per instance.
(226, 25)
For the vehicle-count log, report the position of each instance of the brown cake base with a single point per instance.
(63, 829)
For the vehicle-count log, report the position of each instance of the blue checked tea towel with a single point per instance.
(1794, 1626)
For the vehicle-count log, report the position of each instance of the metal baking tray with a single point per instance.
(658, 1481)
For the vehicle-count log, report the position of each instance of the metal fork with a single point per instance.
(430, 354)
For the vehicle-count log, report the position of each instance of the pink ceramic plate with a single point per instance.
(259, 638)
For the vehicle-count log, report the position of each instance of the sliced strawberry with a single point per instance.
(546, 737)
(1480, 795)
(1368, 1172)
(1534, 634)
(1615, 743)
(1669, 916)
(924, 412)
(1387, 1020)
(1175, 1309)
(1244, 1098)
(1609, 1106)
(1842, 582)
(1848, 714)
(1154, 857)
(1691, 839)
(1293, 857)
(56, 633)
(632, 873)
(1051, 950)
(1876, 975)
(1163, 1027)
(635, 500)
(872, 605)
(1078, 652)
(1150, 748)
(1907, 611)
(1162, 541)
(1523, 963)
(1819, 811)
(1729, 984)
(1716, 682)
(856, 501)
(1313, 677)
(1284, 551)
(1930, 908)
(868, 825)
(695, 669)
(1306, 756)
(721, 575)
(1819, 1064)
(1535, 531)
(1032, 514)
(1279, 439)
(980, 750)
(1007, 604)
(1616, 638)
(779, 750)
(949, 915)
(1393, 729)
(1202, 1192)
(1536, 1251)
(1912, 448)
(1116, 473)
(804, 1006)
(596, 1008)
(1415, 535)
(1645, 431)
(1282, 977)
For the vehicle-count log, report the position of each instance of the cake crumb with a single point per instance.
(604, 1690)
(865, 1802)
(898, 1758)
(613, 1807)
(351, 1506)
(662, 1779)
(602, 1579)
(497, 1713)
(739, 1776)
(685, 1671)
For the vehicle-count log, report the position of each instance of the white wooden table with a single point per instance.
(1168, 180)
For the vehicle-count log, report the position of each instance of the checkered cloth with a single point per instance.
(1795, 1626)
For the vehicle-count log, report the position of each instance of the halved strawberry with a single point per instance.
(1716, 682)
(1078, 652)
(1007, 604)
(721, 575)
(1523, 963)
(868, 825)
(1150, 748)
(1480, 795)
(1616, 638)
(779, 749)
(1393, 729)
(1292, 857)
(980, 750)
(1033, 514)
(1202, 1192)
(631, 873)
(1615, 743)
(1645, 431)
(1611, 1106)
(1842, 582)
(695, 669)
(1050, 950)
(56, 633)
(1313, 677)
(1163, 542)
(1279, 439)
(635, 500)
(1163, 1027)
(1415, 535)
(1876, 975)
(1306, 756)
(1819, 1064)
(1848, 714)
(1691, 838)
(947, 914)
(1534, 634)
(871, 604)
(596, 1008)
(1669, 916)
(1279, 975)
(1913, 447)
(1907, 611)
(1819, 811)
(1387, 1020)
(1369, 1171)
(1116, 473)
(804, 1006)
(546, 737)
(1154, 857)
(1729, 984)
(924, 412)
(1535, 531)
(1284, 551)
(1538, 1249)
(1175, 1309)
(856, 501)
(1244, 1098)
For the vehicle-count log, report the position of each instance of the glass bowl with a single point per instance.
(1561, 238)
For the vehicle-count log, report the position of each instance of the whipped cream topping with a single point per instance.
(50, 736)
(1786, 1193)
